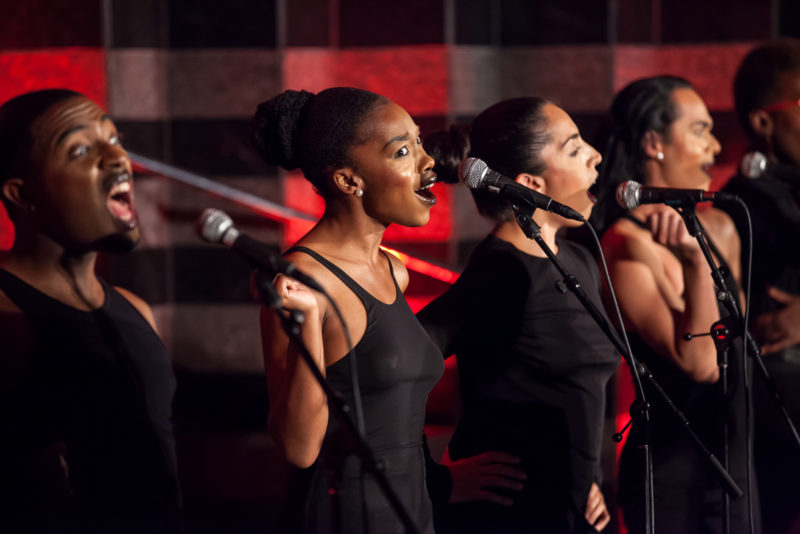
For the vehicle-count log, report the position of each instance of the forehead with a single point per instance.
(559, 123)
(64, 116)
(689, 106)
(388, 121)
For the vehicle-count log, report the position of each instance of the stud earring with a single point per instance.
(359, 192)
(660, 156)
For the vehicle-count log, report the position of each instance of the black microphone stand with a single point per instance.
(640, 408)
(724, 295)
(291, 321)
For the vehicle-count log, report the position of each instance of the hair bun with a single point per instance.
(276, 125)
(448, 148)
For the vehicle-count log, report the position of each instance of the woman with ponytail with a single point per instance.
(364, 156)
(662, 138)
(532, 363)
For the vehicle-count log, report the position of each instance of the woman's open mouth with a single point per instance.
(425, 194)
(120, 200)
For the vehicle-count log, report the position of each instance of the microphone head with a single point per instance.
(213, 224)
(628, 194)
(473, 171)
(754, 164)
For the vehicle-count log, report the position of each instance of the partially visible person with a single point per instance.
(663, 137)
(533, 365)
(363, 154)
(86, 384)
(767, 98)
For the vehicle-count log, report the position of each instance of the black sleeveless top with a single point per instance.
(85, 405)
(398, 365)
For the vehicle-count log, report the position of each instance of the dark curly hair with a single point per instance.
(755, 81)
(16, 119)
(314, 133)
(642, 106)
(509, 136)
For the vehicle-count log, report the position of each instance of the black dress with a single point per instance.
(533, 368)
(85, 405)
(398, 365)
(688, 498)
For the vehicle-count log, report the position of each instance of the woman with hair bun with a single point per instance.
(364, 156)
(532, 363)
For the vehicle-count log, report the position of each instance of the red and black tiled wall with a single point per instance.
(182, 78)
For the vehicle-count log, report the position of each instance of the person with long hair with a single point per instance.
(663, 137)
(532, 363)
(86, 384)
(364, 156)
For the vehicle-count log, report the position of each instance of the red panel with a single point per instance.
(79, 69)
(710, 68)
(415, 77)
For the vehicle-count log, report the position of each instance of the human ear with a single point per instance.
(348, 182)
(653, 145)
(761, 123)
(12, 191)
(532, 181)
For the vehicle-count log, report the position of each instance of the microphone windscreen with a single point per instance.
(628, 194)
(754, 164)
(212, 225)
(472, 171)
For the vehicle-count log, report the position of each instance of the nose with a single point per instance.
(595, 158)
(716, 147)
(426, 164)
(114, 157)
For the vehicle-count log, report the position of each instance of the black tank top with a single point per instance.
(398, 365)
(96, 386)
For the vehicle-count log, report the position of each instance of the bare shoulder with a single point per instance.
(139, 304)
(719, 225)
(626, 241)
(400, 271)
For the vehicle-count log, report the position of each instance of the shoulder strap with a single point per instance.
(340, 274)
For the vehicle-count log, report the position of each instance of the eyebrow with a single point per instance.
(570, 138)
(79, 127)
(703, 123)
(403, 137)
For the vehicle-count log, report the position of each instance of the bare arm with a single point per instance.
(298, 413)
(651, 304)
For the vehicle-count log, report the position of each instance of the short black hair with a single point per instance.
(16, 119)
(757, 77)
(298, 129)
(509, 136)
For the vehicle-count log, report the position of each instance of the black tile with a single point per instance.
(307, 23)
(715, 20)
(138, 23)
(731, 136)
(232, 23)
(144, 137)
(634, 21)
(789, 18)
(50, 23)
(568, 21)
(220, 401)
(206, 274)
(477, 22)
(363, 23)
(216, 147)
(140, 271)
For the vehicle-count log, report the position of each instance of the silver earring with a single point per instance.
(660, 156)
(359, 192)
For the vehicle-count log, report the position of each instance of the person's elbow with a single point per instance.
(703, 373)
(299, 450)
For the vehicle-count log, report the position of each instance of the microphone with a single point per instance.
(631, 194)
(215, 226)
(756, 164)
(477, 175)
